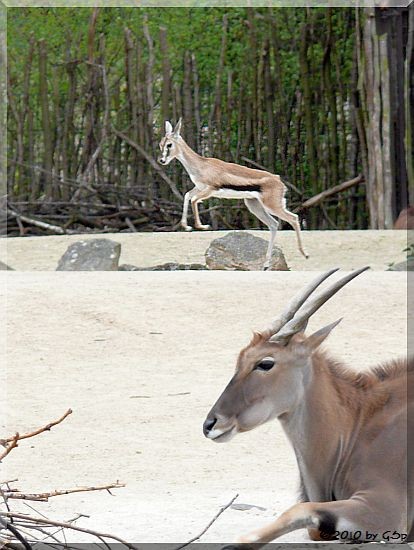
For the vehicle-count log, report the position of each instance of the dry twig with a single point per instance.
(38, 430)
(65, 525)
(45, 496)
(210, 523)
(37, 223)
(12, 443)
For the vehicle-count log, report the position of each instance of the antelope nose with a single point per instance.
(161, 160)
(209, 425)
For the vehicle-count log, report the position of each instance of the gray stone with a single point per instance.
(91, 255)
(407, 265)
(170, 266)
(242, 251)
(5, 267)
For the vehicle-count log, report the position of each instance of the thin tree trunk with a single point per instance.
(166, 76)
(188, 111)
(409, 105)
(46, 126)
(197, 107)
(215, 113)
(269, 98)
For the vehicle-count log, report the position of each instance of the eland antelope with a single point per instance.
(348, 429)
(263, 192)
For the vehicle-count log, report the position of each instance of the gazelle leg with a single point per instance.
(187, 198)
(289, 217)
(256, 208)
(195, 199)
(350, 519)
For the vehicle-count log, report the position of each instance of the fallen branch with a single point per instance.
(65, 525)
(16, 534)
(207, 527)
(37, 223)
(12, 444)
(45, 496)
(37, 431)
(316, 199)
(153, 163)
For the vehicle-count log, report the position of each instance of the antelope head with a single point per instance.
(272, 371)
(170, 143)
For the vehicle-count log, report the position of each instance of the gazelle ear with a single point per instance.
(168, 127)
(177, 128)
(316, 339)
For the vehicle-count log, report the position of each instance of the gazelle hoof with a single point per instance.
(186, 227)
(203, 227)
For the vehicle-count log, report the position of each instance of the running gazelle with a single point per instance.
(263, 192)
(348, 429)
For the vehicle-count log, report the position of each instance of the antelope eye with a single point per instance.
(169, 145)
(265, 364)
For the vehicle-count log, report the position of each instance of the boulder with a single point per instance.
(170, 266)
(91, 255)
(242, 251)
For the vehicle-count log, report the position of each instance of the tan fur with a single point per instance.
(406, 219)
(349, 429)
(212, 176)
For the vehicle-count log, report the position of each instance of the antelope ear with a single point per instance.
(316, 339)
(168, 127)
(177, 129)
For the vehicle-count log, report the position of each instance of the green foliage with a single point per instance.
(198, 31)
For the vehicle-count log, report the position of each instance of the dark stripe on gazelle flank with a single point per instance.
(254, 187)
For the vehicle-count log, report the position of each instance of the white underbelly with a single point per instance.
(233, 194)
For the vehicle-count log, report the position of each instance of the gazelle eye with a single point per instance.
(169, 145)
(265, 364)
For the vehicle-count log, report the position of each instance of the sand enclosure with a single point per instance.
(140, 358)
(347, 249)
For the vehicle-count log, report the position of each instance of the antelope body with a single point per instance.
(405, 219)
(263, 192)
(349, 430)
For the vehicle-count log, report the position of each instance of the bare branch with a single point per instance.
(38, 430)
(210, 523)
(32, 221)
(13, 443)
(316, 199)
(65, 525)
(47, 495)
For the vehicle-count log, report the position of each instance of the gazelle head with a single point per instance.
(169, 145)
(272, 371)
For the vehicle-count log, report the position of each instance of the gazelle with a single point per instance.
(348, 429)
(263, 192)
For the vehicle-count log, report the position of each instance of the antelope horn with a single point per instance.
(298, 300)
(300, 319)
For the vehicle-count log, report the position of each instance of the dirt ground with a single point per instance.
(348, 249)
(140, 358)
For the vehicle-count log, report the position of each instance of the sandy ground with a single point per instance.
(140, 358)
(326, 248)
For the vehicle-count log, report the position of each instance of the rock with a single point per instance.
(170, 266)
(242, 251)
(128, 267)
(5, 267)
(91, 255)
(407, 265)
